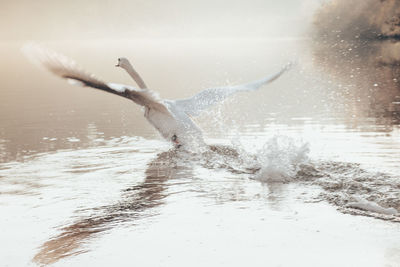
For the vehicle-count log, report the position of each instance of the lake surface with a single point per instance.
(294, 175)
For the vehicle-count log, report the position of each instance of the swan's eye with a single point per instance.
(174, 137)
(119, 59)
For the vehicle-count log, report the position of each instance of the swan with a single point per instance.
(171, 118)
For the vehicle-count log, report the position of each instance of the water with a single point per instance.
(289, 179)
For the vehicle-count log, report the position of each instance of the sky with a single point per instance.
(127, 19)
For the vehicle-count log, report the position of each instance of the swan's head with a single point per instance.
(122, 62)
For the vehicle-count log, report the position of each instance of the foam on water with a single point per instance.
(348, 186)
(358, 191)
(371, 206)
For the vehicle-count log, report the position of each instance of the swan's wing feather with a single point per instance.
(209, 97)
(68, 69)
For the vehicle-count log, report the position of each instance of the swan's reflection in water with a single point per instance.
(167, 174)
(137, 201)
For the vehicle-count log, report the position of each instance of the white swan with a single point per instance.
(172, 118)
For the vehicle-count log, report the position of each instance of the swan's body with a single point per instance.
(172, 118)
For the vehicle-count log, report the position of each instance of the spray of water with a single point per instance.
(280, 159)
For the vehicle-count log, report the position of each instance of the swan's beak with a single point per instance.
(117, 65)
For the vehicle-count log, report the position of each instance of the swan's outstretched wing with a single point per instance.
(207, 98)
(68, 69)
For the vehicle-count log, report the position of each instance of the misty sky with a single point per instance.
(127, 19)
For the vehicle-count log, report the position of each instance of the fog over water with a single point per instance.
(305, 168)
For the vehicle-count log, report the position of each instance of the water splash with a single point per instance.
(348, 186)
(280, 159)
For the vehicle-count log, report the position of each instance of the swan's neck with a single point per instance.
(132, 72)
